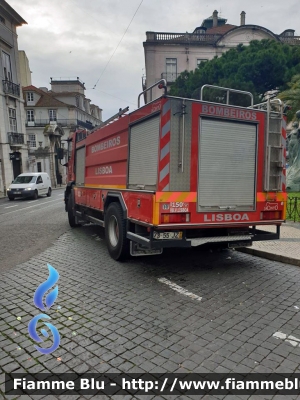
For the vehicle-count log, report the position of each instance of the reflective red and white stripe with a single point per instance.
(283, 143)
(164, 157)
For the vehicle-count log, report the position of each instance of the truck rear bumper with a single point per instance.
(239, 240)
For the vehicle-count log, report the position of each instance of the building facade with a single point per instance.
(50, 117)
(13, 142)
(167, 54)
(25, 73)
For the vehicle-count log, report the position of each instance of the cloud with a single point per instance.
(69, 38)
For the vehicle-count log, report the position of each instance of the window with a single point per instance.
(30, 115)
(171, 69)
(39, 180)
(29, 96)
(2, 19)
(6, 66)
(200, 60)
(32, 140)
(39, 167)
(52, 115)
(12, 119)
(77, 101)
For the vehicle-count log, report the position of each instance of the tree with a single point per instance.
(291, 96)
(262, 66)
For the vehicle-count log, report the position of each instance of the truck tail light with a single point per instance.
(175, 218)
(271, 215)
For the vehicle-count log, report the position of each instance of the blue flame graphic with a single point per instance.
(49, 300)
(33, 334)
(44, 287)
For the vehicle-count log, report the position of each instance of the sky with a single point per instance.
(80, 38)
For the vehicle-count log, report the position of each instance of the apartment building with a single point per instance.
(167, 54)
(50, 117)
(13, 143)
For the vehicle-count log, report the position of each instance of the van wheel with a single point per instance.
(36, 195)
(11, 198)
(115, 232)
(49, 192)
(71, 213)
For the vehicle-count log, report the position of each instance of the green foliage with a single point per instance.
(291, 96)
(263, 65)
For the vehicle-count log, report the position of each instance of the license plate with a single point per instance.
(167, 235)
(17, 192)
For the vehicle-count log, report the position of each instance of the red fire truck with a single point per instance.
(180, 172)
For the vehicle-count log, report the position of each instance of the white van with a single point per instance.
(30, 184)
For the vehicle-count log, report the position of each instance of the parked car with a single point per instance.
(30, 185)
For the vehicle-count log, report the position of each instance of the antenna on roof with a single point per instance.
(220, 13)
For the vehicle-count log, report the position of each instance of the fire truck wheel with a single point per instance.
(71, 215)
(115, 232)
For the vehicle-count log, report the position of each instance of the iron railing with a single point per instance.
(86, 124)
(60, 122)
(293, 209)
(44, 122)
(11, 88)
(15, 139)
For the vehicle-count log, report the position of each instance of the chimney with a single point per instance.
(215, 18)
(243, 18)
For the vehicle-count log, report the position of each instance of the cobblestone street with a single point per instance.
(119, 317)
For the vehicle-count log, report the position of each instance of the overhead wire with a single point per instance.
(118, 44)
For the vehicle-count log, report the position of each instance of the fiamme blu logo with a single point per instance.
(38, 300)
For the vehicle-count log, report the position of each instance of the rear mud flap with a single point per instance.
(137, 250)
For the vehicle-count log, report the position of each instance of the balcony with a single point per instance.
(11, 88)
(291, 40)
(67, 123)
(15, 139)
(169, 76)
(87, 125)
(180, 38)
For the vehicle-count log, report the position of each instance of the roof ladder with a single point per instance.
(274, 158)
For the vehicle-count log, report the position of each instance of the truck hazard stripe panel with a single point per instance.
(271, 196)
(189, 197)
(164, 158)
(283, 143)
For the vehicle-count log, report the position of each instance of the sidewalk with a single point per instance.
(286, 250)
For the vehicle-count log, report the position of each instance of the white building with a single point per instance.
(167, 54)
(13, 146)
(50, 116)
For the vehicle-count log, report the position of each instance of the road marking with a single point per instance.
(25, 208)
(179, 289)
(33, 211)
(290, 339)
(12, 206)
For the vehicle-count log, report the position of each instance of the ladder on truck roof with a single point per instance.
(275, 145)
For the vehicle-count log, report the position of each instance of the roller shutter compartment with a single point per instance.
(227, 165)
(143, 157)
